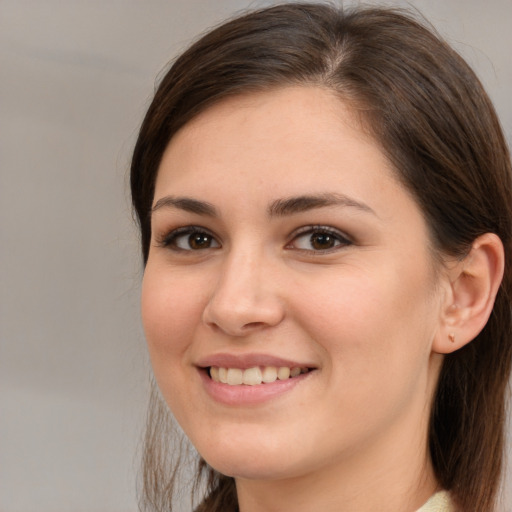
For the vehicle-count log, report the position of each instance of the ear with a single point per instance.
(472, 285)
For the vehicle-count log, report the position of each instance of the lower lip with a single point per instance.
(249, 395)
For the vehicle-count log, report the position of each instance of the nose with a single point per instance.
(245, 297)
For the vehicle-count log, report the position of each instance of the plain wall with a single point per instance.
(76, 77)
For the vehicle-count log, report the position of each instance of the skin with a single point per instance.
(364, 313)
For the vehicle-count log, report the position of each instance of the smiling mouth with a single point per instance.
(254, 376)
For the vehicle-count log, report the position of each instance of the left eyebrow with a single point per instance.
(299, 204)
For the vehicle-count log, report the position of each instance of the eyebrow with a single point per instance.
(278, 208)
(293, 205)
(187, 204)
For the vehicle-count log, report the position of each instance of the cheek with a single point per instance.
(347, 304)
(372, 319)
(171, 311)
(375, 331)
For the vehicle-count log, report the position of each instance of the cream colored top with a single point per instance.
(439, 502)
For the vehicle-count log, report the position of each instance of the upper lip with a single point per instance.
(244, 361)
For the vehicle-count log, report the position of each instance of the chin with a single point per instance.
(252, 460)
(247, 469)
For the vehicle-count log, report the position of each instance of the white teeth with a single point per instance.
(254, 376)
(235, 376)
(283, 373)
(269, 374)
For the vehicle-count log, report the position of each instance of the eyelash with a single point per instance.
(170, 239)
(338, 238)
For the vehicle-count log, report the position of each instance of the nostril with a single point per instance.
(252, 325)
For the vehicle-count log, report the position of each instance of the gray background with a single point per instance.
(76, 77)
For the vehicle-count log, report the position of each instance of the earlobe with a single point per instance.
(473, 285)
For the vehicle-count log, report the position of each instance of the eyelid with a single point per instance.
(168, 237)
(342, 237)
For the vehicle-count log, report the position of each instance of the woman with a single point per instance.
(324, 200)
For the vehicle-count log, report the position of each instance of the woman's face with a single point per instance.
(283, 243)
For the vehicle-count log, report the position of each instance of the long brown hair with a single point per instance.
(429, 112)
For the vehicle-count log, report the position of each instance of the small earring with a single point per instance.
(451, 337)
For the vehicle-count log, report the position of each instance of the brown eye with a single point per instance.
(190, 239)
(318, 239)
(322, 241)
(200, 241)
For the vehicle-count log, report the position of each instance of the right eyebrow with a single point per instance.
(186, 204)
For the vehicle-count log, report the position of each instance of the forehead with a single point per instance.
(286, 133)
